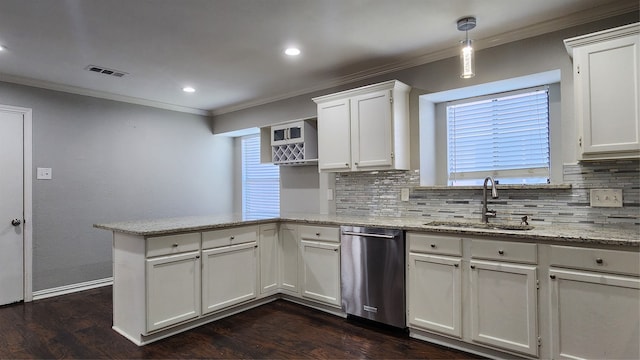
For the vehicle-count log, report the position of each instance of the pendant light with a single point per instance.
(467, 61)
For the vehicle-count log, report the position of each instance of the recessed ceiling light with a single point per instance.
(292, 51)
(188, 89)
(2, 48)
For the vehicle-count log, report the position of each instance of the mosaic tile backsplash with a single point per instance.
(378, 194)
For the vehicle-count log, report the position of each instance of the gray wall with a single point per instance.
(526, 57)
(113, 161)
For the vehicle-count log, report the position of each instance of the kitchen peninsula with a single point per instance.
(171, 275)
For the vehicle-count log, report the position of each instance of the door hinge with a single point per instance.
(392, 155)
(578, 69)
(391, 99)
(539, 341)
(580, 141)
(538, 284)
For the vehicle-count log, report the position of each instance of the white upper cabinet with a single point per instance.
(364, 129)
(606, 70)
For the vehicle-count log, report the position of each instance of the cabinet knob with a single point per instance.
(233, 237)
(553, 277)
(346, 164)
(317, 234)
(472, 266)
(501, 252)
(175, 245)
(599, 261)
(455, 265)
(433, 246)
(197, 256)
(356, 164)
(335, 249)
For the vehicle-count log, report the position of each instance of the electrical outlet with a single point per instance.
(43, 174)
(606, 197)
(404, 194)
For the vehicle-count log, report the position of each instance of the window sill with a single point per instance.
(500, 187)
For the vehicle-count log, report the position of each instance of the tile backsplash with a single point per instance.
(378, 194)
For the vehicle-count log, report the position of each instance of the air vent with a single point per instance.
(105, 71)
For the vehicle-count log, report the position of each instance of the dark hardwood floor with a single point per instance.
(79, 326)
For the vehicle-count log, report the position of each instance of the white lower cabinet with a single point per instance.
(229, 268)
(320, 248)
(504, 306)
(435, 285)
(595, 313)
(173, 289)
(268, 249)
(228, 276)
(289, 251)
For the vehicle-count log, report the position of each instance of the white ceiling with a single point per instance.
(231, 50)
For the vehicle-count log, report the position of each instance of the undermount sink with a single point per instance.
(474, 225)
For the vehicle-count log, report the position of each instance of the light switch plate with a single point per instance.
(329, 194)
(606, 197)
(404, 194)
(43, 174)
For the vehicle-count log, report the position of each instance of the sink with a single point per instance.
(477, 225)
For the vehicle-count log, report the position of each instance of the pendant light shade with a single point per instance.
(467, 60)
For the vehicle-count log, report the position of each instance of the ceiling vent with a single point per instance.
(105, 71)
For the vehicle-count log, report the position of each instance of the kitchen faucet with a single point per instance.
(486, 213)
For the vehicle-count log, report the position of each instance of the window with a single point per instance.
(260, 182)
(503, 135)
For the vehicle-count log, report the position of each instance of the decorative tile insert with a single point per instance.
(378, 194)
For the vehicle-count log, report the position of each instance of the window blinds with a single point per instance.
(505, 136)
(260, 183)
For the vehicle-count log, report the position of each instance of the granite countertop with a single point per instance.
(603, 235)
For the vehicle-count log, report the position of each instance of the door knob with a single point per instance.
(16, 222)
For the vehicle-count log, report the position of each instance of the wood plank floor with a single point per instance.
(79, 326)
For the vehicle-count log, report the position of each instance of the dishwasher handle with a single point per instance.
(381, 236)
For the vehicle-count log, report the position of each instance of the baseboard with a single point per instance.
(72, 288)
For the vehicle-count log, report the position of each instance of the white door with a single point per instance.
(504, 306)
(371, 130)
(321, 272)
(11, 207)
(435, 293)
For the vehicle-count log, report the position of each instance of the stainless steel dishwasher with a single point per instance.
(373, 274)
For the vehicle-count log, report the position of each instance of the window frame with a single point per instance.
(246, 211)
(466, 175)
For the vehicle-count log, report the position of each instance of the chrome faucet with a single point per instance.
(486, 213)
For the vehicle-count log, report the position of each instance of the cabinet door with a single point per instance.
(608, 84)
(173, 289)
(289, 259)
(594, 316)
(321, 271)
(268, 258)
(371, 128)
(504, 306)
(229, 276)
(434, 288)
(334, 135)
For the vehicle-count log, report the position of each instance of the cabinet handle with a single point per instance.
(472, 266)
(501, 252)
(175, 245)
(599, 261)
(553, 277)
(433, 246)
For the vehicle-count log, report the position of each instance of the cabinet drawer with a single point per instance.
(435, 244)
(625, 262)
(233, 236)
(504, 251)
(321, 233)
(172, 244)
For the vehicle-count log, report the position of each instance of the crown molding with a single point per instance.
(98, 94)
(557, 24)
